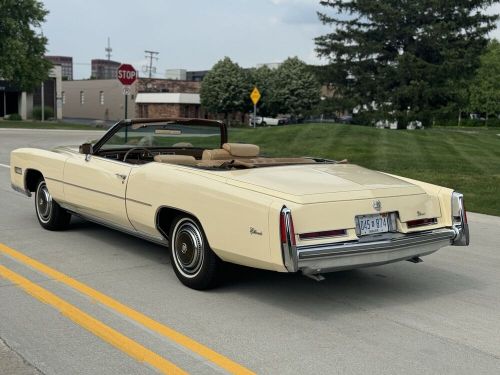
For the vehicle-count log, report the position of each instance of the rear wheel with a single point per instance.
(195, 264)
(50, 215)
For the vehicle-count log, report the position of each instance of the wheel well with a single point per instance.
(31, 179)
(165, 216)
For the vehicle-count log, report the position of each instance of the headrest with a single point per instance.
(244, 150)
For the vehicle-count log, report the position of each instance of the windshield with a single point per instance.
(166, 134)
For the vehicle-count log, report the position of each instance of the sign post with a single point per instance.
(255, 96)
(127, 75)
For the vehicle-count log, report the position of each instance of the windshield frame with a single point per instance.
(181, 121)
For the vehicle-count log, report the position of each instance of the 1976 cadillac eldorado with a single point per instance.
(179, 182)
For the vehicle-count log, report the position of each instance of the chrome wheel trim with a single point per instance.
(188, 248)
(43, 203)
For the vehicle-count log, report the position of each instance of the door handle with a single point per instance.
(121, 176)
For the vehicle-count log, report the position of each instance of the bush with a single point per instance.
(37, 113)
(15, 117)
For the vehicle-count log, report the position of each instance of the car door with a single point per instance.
(96, 187)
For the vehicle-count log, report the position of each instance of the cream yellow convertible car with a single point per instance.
(179, 182)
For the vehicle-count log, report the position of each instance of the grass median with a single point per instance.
(465, 159)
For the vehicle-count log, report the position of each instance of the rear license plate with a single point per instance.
(371, 224)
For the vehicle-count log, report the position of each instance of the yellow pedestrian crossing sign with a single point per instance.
(255, 95)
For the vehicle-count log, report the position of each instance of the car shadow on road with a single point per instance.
(125, 242)
(342, 292)
(396, 284)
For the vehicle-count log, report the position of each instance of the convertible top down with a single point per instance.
(181, 183)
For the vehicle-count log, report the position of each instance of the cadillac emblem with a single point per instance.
(377, 205)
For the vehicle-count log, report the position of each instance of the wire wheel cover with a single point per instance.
(43, 202)
(188, 247)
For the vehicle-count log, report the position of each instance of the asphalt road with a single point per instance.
(440, 316)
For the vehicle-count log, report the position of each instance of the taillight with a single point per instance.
(323, 234)
(421, 223)
(287, 230)
(283, 227)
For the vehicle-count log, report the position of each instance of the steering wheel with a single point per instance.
(137, 148)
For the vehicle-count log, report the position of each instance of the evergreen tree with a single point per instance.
(402, 57)
(22, 47)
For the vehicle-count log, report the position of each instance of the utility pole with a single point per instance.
(108, 50)
(42, 92)
(150, 69)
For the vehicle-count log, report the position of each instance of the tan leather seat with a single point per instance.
(216, 154)
(230, 151)
(176, 159)
(242, 150)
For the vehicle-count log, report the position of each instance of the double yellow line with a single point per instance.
(106, 333)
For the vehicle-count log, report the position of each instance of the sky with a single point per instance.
(188, 34)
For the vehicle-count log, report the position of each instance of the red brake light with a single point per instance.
(286, 227)
(421, 222)
(327, 233)
(283, 227)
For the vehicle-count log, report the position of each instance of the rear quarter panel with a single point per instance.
(226, 212)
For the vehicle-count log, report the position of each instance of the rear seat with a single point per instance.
(230, 151)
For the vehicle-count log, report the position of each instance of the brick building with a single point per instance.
(104, 99)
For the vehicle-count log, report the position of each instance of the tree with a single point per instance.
(22, 48)
(294, 89)
(263, 79)
(226, 88)
(402, 57)
(485, 88)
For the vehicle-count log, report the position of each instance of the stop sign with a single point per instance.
(127, 74)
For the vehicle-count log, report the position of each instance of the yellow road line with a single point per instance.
(106, 333)
(130, 313)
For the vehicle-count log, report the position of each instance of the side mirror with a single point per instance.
(86, 149)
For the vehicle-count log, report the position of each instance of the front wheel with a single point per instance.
(50, 215)
(195, 264)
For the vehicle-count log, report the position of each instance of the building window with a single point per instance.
(82, 97)
(63, 97)
(101, 97)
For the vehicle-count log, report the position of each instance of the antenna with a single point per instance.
(150, 68)
(108, 50)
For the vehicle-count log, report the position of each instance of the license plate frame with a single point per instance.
(373, 224)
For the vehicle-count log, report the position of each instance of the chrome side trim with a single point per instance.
(314, 259)
(99, 192)
(139, 202)
(85, 188)
(289, 251)
(158, 240)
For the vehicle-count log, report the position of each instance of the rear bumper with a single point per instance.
(315, 259)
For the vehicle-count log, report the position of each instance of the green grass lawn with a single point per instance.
(6, 124)
(465, 159)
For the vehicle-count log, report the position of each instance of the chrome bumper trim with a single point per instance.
(313, 259)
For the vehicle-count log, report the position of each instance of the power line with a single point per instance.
(150, 69)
